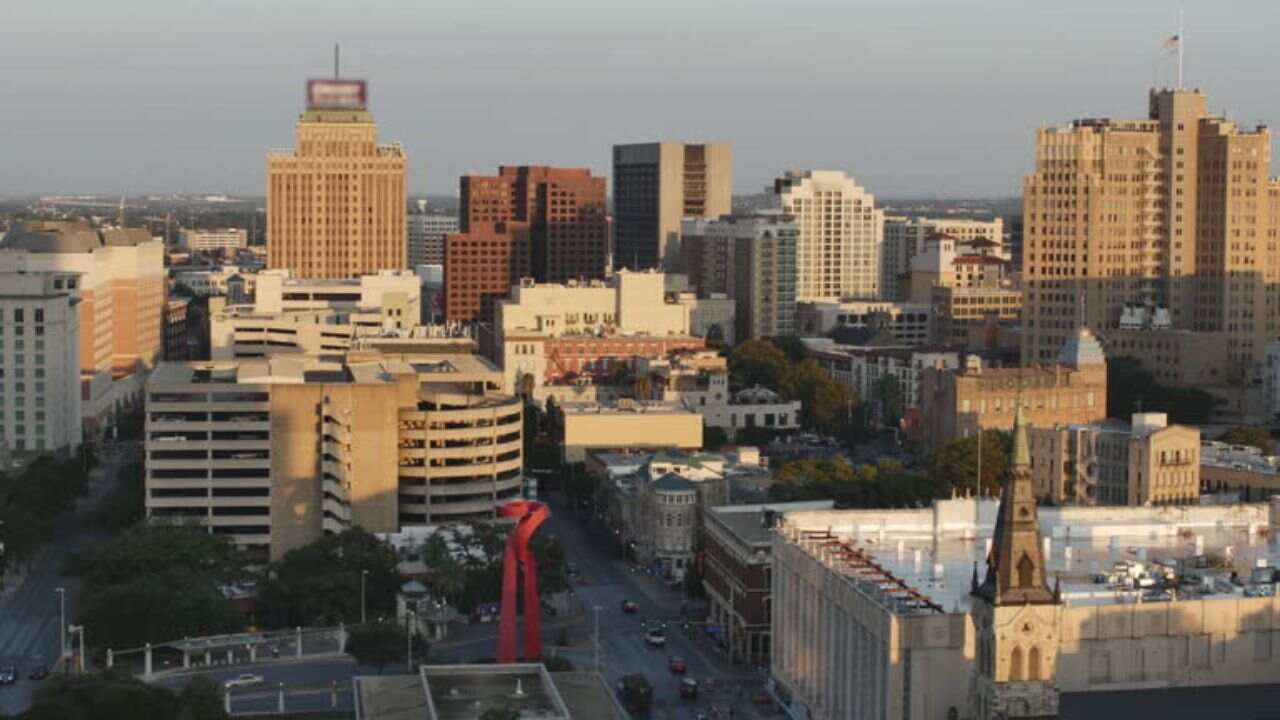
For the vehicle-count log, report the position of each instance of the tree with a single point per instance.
(714, 438)
(826, 405)
(1252, 436)
(715, 337)
(117, 695)
(889, 396)
(320, 583)
(1131, 388)
(885, 484)
(955, 465)
(154, 583)
(527, 384)
(376, 643)
(500, 713)
(758, 362)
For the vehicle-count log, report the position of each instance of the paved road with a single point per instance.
(29, 611)
(308, 684)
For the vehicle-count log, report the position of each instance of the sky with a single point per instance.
(911, 97)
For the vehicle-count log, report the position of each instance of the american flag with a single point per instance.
(1172, 43)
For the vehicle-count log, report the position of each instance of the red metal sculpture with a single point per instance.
(529, 515)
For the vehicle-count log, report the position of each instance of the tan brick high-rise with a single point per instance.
(336, 203)
(1174, 211)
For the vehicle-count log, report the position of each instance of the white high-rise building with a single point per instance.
(838, 251)
(40, 357)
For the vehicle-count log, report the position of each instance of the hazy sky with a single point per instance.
(912, 97)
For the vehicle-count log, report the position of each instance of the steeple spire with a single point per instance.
(1016, 568)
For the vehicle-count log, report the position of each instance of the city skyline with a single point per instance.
(951, 113)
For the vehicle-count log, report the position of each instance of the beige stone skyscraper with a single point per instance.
(838, 252)
(1175, 212)
(336, 203)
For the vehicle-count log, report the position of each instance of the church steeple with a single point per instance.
(1016, 569)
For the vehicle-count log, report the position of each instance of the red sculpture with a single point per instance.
(529, 515)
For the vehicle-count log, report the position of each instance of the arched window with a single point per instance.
(1015, 665)
(1033, 664)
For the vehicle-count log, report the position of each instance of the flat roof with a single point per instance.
(747, 522)
(463, 692)
(931, 552)
(577, 408)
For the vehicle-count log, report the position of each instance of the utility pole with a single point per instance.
(62, 622)
(363, 610)
(412, 625)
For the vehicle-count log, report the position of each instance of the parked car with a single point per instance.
(630, 607)
(677, 665)
(8, 675)
(656, 636)
(245, 680)
(39, 673)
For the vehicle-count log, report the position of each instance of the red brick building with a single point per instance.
(569, 356)
(563, 208)
(480, 266)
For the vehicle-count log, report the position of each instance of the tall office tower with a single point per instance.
(751, 257)
(336, 203)
(480, 267)
(426, 236)
(1172, 213)
(656, 186)
(838, 253)
(562, 208)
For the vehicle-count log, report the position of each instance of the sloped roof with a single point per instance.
(672, 482)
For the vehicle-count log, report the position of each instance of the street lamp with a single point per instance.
(62, 622)
(596, 635)
(412, 619)
(363, 611)
(79, 629)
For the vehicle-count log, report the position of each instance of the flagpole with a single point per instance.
(1182, 43)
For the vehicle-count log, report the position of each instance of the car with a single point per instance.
(41, 672)
(677, 665)
(245, 680)
(656, 636)
(688, 688)
(630, 607)
(8, 675)
(636, 693)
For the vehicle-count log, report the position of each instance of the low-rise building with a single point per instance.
(226, 240)
(556, 333)
(956, 403)
(228, 280)
(39, 368)
(1146, 462)
(699, 381)
(889, 614)
(737, 551)
(958, 311)
(273, 453)
(1240, 469)
(908, 322)
(290, 315)
(906, 237)
(626, 423)
(865, 368)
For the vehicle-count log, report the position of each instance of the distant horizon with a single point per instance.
(913, 98)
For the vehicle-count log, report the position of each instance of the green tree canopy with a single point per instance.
(378, 644)
(759, 362)
(955, 465)
(1131, 388)
(117, 695)
(319, 584)
(890, 398)
(826, 404)
(883, 485)
(1253, 436)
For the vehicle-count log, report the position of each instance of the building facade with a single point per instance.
(625, 423)
(40, 354)
(226, 240)
(176, 341)
(656, 186)
(908, 323)
(563, 210)
(118, 276)
(427, 233)
(481, 265)
(1173, 212)
(957, 312)
(274, 453)
(751, 259)
(336, 202)
(1146, 462)
(841, 235)
(906, 237)
(956, 403)
(560, 332)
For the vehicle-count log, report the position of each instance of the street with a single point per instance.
(29, 611)
(308, 684)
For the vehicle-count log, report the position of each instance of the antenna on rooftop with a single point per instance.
(336, 57)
